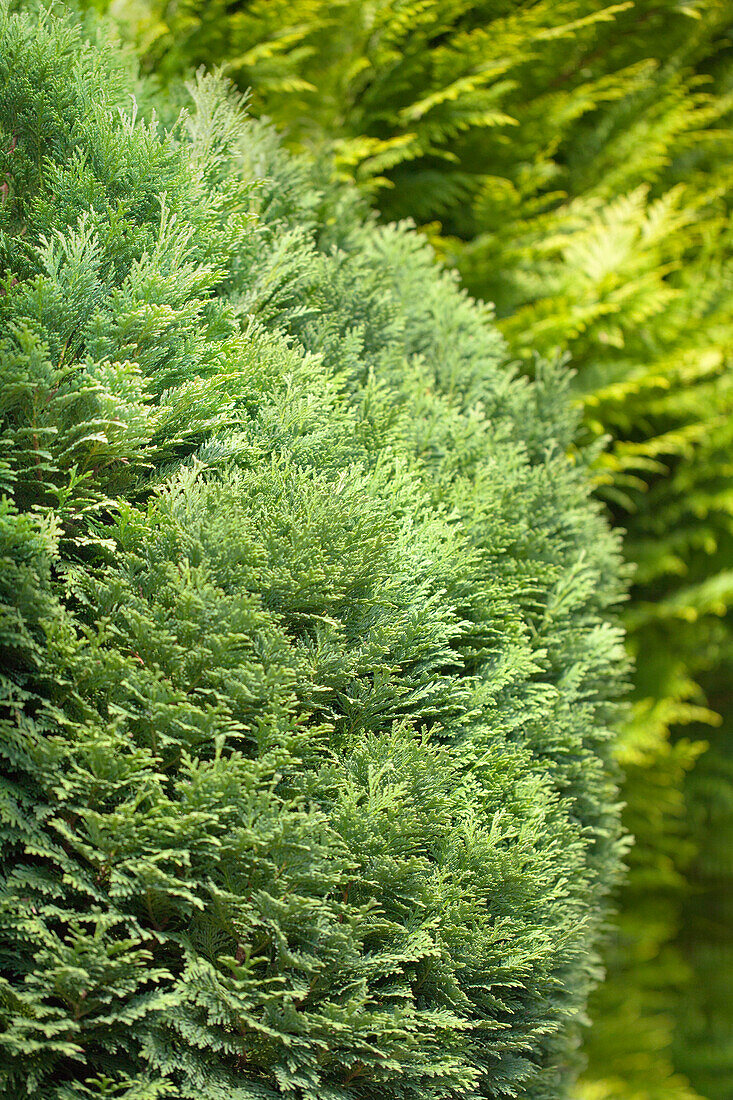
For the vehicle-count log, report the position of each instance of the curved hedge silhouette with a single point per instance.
(308, 667)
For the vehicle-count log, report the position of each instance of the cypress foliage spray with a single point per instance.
(309, 666)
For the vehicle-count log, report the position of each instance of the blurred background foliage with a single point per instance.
(574, 159)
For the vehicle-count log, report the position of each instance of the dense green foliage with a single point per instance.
(575, 160)
(307, 665)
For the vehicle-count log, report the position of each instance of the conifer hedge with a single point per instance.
(308, 655)
(574, 159)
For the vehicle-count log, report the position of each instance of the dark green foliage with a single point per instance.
(308, 673)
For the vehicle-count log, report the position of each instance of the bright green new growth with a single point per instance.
(307, 670)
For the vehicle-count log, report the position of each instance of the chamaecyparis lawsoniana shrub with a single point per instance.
(308, 660)
(574, 159)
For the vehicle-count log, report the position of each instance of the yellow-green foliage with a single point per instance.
(575, 160)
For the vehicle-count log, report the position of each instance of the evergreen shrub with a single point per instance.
(309, 666)
(574, 159)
